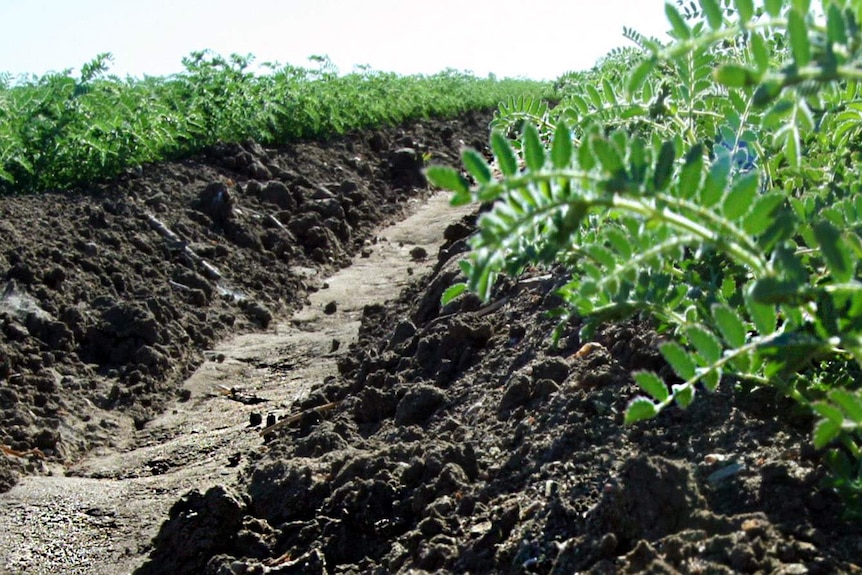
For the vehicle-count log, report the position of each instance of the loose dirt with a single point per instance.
(101, 513)
(439, 439)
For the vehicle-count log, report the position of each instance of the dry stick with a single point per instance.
(319, 410)
(210, 269)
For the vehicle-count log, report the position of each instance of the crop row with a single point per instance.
(61, 131)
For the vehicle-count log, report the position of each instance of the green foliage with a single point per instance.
(61, 131)
(713, 185)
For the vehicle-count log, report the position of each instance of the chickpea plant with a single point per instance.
(711, 183)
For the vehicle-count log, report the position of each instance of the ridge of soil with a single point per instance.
(110, 298)
(465, 442)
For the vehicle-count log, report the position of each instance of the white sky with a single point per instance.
(532, 38)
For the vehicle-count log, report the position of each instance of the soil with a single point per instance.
(368, 432)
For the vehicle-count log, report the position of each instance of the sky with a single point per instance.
(539, 39)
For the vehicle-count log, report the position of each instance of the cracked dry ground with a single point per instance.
(453, 439)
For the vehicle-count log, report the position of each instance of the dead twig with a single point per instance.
(210, 270)
(15, 453)
(292, 419)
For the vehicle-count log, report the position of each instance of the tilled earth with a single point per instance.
(454, 439)
(109, 297)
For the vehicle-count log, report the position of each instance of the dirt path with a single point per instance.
(99, 515)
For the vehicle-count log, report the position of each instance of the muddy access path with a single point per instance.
(100, 514)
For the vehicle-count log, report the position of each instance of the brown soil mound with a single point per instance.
(467, 443)
(110, 298)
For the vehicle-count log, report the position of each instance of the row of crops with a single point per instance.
(64, 130)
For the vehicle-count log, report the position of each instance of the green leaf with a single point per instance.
(534, 152)
(729, 324)
(452, 292)
(850, 402)
(664, 166)
(760, 216)
(711, 379)
(652, 385)
(713, 189)
(705, 342)
(713, 13)
(639, 75)
(692, 172)
(608, 91)
(683, 395)
(586, 159)
(506, 159)
(640, 409)
(824, 432)
(620, 242)
(745, 9)
(595, 96)
(760, 52)
(798, 38)
(772, 290)
(680, 360)
(828, 411)
(834, 250)
(607, 154)
(766, 93)
(836, 26)
(802, 6)
(677, 22)
(476, 165)
(447, 178)
(561, 149)
(763, 315)
(773, 7)
(741, 196)
(736, 76)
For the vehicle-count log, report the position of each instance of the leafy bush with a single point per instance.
(711, 184)
(60, 131)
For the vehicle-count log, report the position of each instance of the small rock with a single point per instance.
(330, 308)
(418, 253)
(254, 419)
